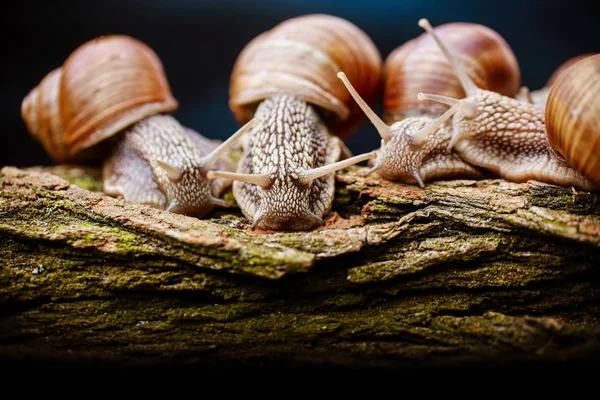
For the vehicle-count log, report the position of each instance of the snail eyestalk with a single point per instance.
(420, 136)
(172, 172)
(261, 180)
(260, 215)
(310, 175)
(383, 129)
(525, 93)
(418, 178)
(315, 218)
(451, 101)
(172, 205)
(455, 136)
(215, 201)
(466, 82)
(210, 159)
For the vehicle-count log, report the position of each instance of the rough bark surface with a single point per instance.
(458, 271)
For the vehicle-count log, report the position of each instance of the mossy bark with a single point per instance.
(458, 271)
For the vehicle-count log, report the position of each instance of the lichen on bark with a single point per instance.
(457, 270)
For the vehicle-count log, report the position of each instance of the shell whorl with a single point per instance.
(302, 56)
(564, 66)
(419, 66)
(540, 96)
(105, 85)
(572, 116)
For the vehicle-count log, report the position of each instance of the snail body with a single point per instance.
(159, 162)
(111, 102)
(301, 56)
(418, 66)
(105, 85)
(502, 134)
(402, 158)
(413, 145)
(286, 79)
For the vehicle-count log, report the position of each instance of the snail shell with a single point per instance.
(572, 116)
(104, 86)
(302, 56)
(419, 66)
(540, 96)
(564, 66)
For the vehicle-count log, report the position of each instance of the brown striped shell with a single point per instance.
(573, 116)
(302, 56)
(562, 67)
(540, 96)
(104, 86)
(419, 66)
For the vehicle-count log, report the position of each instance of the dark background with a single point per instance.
(198, 42)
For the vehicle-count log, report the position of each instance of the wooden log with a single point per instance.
(460, 271)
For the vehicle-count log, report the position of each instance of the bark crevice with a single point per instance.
(457, 271)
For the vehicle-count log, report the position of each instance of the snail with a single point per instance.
(540, 96)
(508, 137)
(573, 116)
(110, 101)
(409, 152)
(285, 77)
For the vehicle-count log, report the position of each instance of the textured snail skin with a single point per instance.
(286, 78)
(413, 150)
(293, 138)
(401, 160)
(501, 134)
(128, 170)
(109, 103)
(508, 137)
(419, 66)
(301, 56)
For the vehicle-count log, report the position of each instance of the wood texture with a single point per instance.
(458, 272)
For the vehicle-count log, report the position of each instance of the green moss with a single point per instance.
(345, 300)
(88, 178)
(309, 243)
(71, 274)
(409, 257)
(86, 182)
(562, 198)
(81, 231)
(380, 207)
(229, 197)
(342, 196)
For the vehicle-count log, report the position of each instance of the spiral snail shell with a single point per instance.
(540, 96)
(286, 78)
(302, 56)
(418, 66)
(507, 136)
(413, 146)
(110, 102)
(105, 85)
(572, 115)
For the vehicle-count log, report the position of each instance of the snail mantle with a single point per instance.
(458, 270)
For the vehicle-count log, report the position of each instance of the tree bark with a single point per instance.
(460, 271)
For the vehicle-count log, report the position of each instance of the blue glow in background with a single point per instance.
(198, 42)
